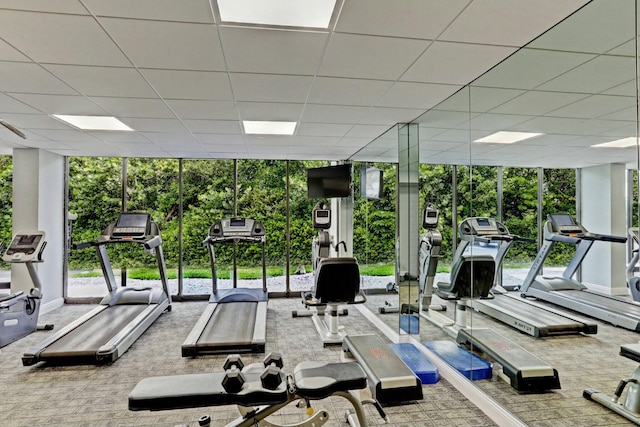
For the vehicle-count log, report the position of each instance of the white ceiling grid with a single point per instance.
(185, 81)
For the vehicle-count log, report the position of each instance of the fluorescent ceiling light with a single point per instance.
(268, 128)
(290, 13)
(93, 122)
(504, 137)
(618, 143)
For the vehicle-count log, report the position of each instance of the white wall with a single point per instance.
(38, 204)
(603, 211)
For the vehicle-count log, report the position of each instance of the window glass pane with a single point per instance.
(6, 190)
(207, 197)
(95, 188)
(152, 187)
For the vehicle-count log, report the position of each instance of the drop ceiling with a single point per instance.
(184, 81)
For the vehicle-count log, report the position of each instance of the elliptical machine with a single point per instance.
(19, 311)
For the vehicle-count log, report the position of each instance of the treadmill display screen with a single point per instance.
(562, 219)
(237, 222)
(483, 222)
(132, 224)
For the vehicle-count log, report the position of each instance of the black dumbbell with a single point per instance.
(270, 377)
(233, 378)
(233, 360)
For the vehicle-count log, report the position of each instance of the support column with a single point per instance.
(38, 204)
(407, 219)
(603, 211)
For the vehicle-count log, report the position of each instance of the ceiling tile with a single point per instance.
(595, 106)
(416, 95)
(8, 53)
(341, 91)
(154, 125)
(179, 84)
(538, 102)
(270, 87)
(61, 104)
(214, 126)
(11, 105)
(314, 113)
(33, 121)
(134, 107)
(323, 129)
(195, 109)
(269, 111)
(103, 81)
(388, 116)
(408, 18)
(161, 10)
(232, 142)
(455, 63)
(507, 23)
(615, 26)
(30, 78)
(368, 57)
(73, 7)
(597, 75)
(60, 39)
(171, 45)
(253, 50)
(530, 68)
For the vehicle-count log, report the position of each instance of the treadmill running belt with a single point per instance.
(231, 324)
(603, 301)
(86, 339)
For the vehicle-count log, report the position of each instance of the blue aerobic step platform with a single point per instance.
(417, 362)
(461, 359)
(410, 323)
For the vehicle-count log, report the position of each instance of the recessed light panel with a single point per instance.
(93, 122)
(268, 128)
(504, 137)
(289, 13)
(618, 143)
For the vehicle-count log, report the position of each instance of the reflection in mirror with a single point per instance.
(551, 128)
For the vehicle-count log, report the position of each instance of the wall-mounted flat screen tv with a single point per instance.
(371, 184)
(330, 181)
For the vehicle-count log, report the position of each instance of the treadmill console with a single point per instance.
(26, 247)
(481, 226)
(131, 225)
(236, 228)
(563, 223)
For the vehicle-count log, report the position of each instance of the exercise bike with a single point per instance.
(19, 311)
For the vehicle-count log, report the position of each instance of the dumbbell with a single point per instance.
(233, 378)
(270, 376)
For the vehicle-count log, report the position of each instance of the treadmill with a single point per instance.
(124, 314)
(570, 293)
(235, 319)
(526, 316)
(472, 277)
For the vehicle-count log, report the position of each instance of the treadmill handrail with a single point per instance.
(605, 237)
(251, 239)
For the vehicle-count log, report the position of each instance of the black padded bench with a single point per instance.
(310, 381)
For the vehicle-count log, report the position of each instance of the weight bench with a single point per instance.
(310, 381)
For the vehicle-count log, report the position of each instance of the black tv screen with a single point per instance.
(371, 186)
(329, 181)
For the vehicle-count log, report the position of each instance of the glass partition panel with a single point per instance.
(374, 225)
(95, 198)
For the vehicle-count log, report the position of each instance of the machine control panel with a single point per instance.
(563, 223)
(131, 225)
(429, 217)
(321, 219)
(482, 226)
(230, 228)
(25, 247)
